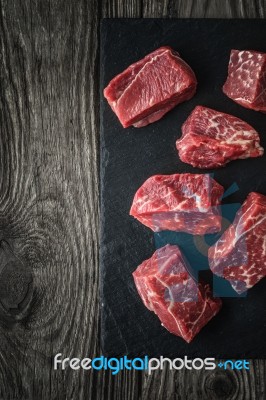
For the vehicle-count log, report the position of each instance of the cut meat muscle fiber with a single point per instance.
(246, 81)
(167, 288)
(179, 202)
(240, 254)
(150, 88)
(210, 139)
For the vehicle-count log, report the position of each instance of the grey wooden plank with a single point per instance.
(205, 8)
(184, 9)
(49, 192)
(122, 9)
(49, 203)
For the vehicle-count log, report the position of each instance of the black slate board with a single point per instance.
(129, 156)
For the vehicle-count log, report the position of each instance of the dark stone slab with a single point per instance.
(130, 156)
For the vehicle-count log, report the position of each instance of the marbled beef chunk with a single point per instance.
(167, 287)
(150, 88)
(210, 139)
(179, 202)
(240, 254)
(246, 81)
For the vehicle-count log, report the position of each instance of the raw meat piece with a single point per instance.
(210, 139)
(179, 202)
(150, 88)
(167, 287)
(240, 254)
(246, 81)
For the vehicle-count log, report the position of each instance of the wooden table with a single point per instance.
(49, 204)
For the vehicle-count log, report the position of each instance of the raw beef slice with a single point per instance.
(240, 254)
(167, 287)
(210, 139)
(179, 202)
(246, 81)
(150, 88)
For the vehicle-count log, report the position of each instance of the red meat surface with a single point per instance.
(210, 139)
(150, 88)
(246, 81)
(240, 254)
(179, 202)
(167, 288)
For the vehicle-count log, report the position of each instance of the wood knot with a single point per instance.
(220, 385)
(15, 284)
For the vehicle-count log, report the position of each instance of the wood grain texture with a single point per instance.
(49, 204)
(204, 8)
(49, 191)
